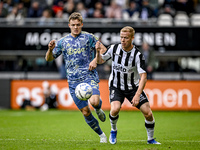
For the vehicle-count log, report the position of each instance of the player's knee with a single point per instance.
(115, 111)
(94, 103)
(94, 100)
(115, 108)
(149, 116)
(85, 111)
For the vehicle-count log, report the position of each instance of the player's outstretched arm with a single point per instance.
(100, 49)
(49, 54)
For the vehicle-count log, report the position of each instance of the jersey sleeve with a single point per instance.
(93, 40)
(140, 62)
(108, 54)
(57, 51)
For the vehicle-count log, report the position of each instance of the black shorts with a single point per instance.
(119, 95)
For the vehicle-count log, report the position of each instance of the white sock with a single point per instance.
(113, 123)
(150, 131)
(102, 135)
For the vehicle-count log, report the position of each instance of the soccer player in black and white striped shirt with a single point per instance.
(127, 80)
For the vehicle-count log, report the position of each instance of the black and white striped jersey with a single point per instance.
(126, 66)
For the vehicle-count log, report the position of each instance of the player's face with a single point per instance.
(76, 27)
(126, 40)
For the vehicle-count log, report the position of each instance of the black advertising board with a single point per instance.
(37, 38)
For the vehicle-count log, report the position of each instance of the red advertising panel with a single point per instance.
(163, 95)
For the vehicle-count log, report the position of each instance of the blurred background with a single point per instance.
(167, 33)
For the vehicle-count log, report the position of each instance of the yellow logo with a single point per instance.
(71, 51)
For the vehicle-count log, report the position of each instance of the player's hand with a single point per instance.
(135, 101)
(92, 65)
(98, 46)
(51, 44)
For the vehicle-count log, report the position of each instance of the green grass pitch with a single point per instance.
(67, 130)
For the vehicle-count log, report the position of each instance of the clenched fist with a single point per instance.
(51, 44)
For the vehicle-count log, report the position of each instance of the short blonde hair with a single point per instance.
(128, 29)
(76, 15)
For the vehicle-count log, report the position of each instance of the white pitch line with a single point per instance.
(179, 141)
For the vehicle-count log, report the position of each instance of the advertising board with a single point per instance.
(163, 95)
(37, 38)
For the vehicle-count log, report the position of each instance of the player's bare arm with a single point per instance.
(142, 83)
(100, 49)
(93, 64)
(49, 55)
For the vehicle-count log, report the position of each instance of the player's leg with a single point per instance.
(95, 100)
(116, 100)
(96, 103)
(114, 115)
(93, 123)
(89, 118)
(149, 122)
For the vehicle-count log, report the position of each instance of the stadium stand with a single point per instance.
(16, 15)
(181, 19)
(195, 19)
(165, 20)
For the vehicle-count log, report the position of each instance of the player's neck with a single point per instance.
(75, 35)
(129, 48)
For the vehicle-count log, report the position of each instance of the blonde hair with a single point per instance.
(128, 29)
(76, 15)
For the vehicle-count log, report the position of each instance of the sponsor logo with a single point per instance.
(123, 69)
(119, 68)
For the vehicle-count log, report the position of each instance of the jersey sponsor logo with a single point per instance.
(122, 69)
(119, 68)
(71, 51)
